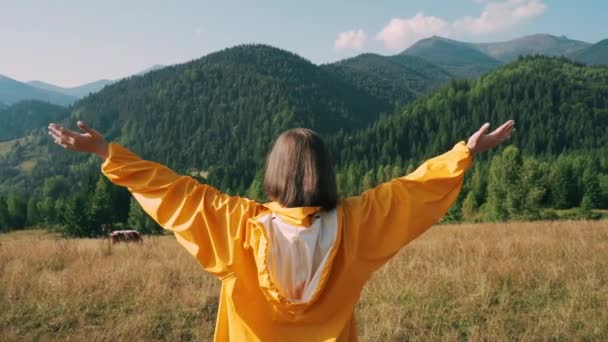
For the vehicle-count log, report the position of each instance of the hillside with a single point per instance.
(457, 58)
(398, 79)
(596, 54)
(217, 114)
(558, 106)
(25, 116)
(557, 159)
(12, 91)
(538, 44)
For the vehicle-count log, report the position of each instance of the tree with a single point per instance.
(4, 217)
(469, 206)
(562, 183)
(369, 181)
(77, 223)
(33, 212)
(17, 211)
(48, 214)
(592, 193)
(495, 207)
(100, 209)
(256, 189)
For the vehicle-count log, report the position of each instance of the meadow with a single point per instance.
(499, 281)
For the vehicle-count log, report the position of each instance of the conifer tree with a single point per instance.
(17, 211)
(100, 209)
(33, 212)
(4, 217)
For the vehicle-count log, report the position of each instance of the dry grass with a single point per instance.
(524, 281)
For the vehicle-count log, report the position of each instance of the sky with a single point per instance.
(72, 42)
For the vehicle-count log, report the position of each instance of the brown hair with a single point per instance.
(300, 172)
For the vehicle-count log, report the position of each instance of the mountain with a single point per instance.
(88, 88)
(12, 91)
(25, 116)
(217, 115)
(596, 54)
(559, 106)
(2, 106)
(78, 92)
(538, 44)
(398, 79)
(458, 58)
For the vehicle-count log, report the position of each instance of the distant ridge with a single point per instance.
(458, 58)
(13, 91)
(78, 92)
(88, 88)
(596, 54)
(537, 44)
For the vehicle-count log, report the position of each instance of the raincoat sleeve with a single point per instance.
(395, 213)
(206, 222)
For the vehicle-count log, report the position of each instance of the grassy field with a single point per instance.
(523, 281)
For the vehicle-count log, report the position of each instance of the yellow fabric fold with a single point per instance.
(301, 217)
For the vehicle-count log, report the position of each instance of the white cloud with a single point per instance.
(501, 16)
(353, 39)
(401, 33)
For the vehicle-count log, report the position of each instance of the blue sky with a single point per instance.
(70, 42)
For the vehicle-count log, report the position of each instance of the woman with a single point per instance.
(292, 269)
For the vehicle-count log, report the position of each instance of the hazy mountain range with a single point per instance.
(464, 59)
(13, 91)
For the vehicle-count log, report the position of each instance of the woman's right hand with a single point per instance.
(90, 141)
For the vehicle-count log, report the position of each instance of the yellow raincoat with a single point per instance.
(222, 232)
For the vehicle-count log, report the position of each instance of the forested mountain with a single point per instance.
(2, 106)
(458, 58)
(596, 54)
(23, 117)
(561, 159)
(537, 44)
(12, 91)
(559, 106)
(398, 79)
(216, 115)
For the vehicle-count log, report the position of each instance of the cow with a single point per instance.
(125, 236)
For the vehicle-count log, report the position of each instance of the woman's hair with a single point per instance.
(300, 172)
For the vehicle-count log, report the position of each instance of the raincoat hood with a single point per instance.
(259, 242)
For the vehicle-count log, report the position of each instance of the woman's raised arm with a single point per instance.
(392, 214)
(208, 223)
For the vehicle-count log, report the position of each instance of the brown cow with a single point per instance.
(125, 236)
